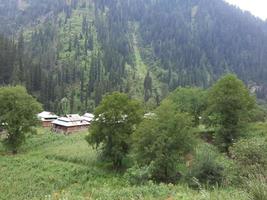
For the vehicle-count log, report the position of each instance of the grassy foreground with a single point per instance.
(58, 167)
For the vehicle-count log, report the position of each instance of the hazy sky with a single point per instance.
(256, 7)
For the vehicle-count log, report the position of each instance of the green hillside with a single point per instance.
(69, 53)
(58, 167)
(178, 89)
(197, 144)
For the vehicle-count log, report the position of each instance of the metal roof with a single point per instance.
(88, 117)
(71, 120)
(46, 115)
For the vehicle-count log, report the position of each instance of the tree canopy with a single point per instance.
(190, 100)
(103, 46)
(18, 114)
(162, 141)
(115, 120)
(229, 104)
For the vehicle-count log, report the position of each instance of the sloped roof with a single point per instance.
(89, 117)
(46, 115)
(72, 117)
(71, 120)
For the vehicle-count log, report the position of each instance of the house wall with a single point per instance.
(76, 129)
(59, 129)
(72, 129)
(47, 124)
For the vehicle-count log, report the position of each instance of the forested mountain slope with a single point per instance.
(71, 52)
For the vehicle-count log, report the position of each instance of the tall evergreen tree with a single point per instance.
(147, 87)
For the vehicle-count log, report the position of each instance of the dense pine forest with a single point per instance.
(69, 53)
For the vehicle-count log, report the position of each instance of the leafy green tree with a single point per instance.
(162, 141)
(17, 115)
(229, 105)
(115, 120)
(190, 100)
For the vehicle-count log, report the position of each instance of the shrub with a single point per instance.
(256, 130)
(162, 142)
(207, 168)
(137, 175)
(250, 154)
(256, 185)
(257, 114)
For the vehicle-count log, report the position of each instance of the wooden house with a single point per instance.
(69, 124)
(46, 118)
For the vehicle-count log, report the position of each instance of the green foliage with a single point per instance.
(258, 130)
(60, 167)
(116, 118)
(138, 175)
(7, 64)
(207, 167)
(162, 142)
(258, 114)
(229, 104)
(17, 115)
(207, 60)
(250, 154)
(86, 45)
(147, 87)
(84, 49)
(256, 185)
(190, 100)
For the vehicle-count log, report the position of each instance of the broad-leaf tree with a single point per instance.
(17, 115)
(229, 105)
(161, 142)
(115, 120)
(190, 100)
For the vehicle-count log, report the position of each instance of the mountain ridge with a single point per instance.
(79, 50)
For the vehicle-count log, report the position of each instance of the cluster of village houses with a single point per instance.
(71, 123)
(67, 124)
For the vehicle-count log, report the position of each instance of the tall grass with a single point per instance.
(57, 167)
(256, 185)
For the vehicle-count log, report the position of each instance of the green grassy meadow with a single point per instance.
(58, 167)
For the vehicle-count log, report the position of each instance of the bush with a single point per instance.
(256, 185)
(250, 154)
(257, 114)
(163, 142)
(137, 175)
(256, 130)
(207, 169)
